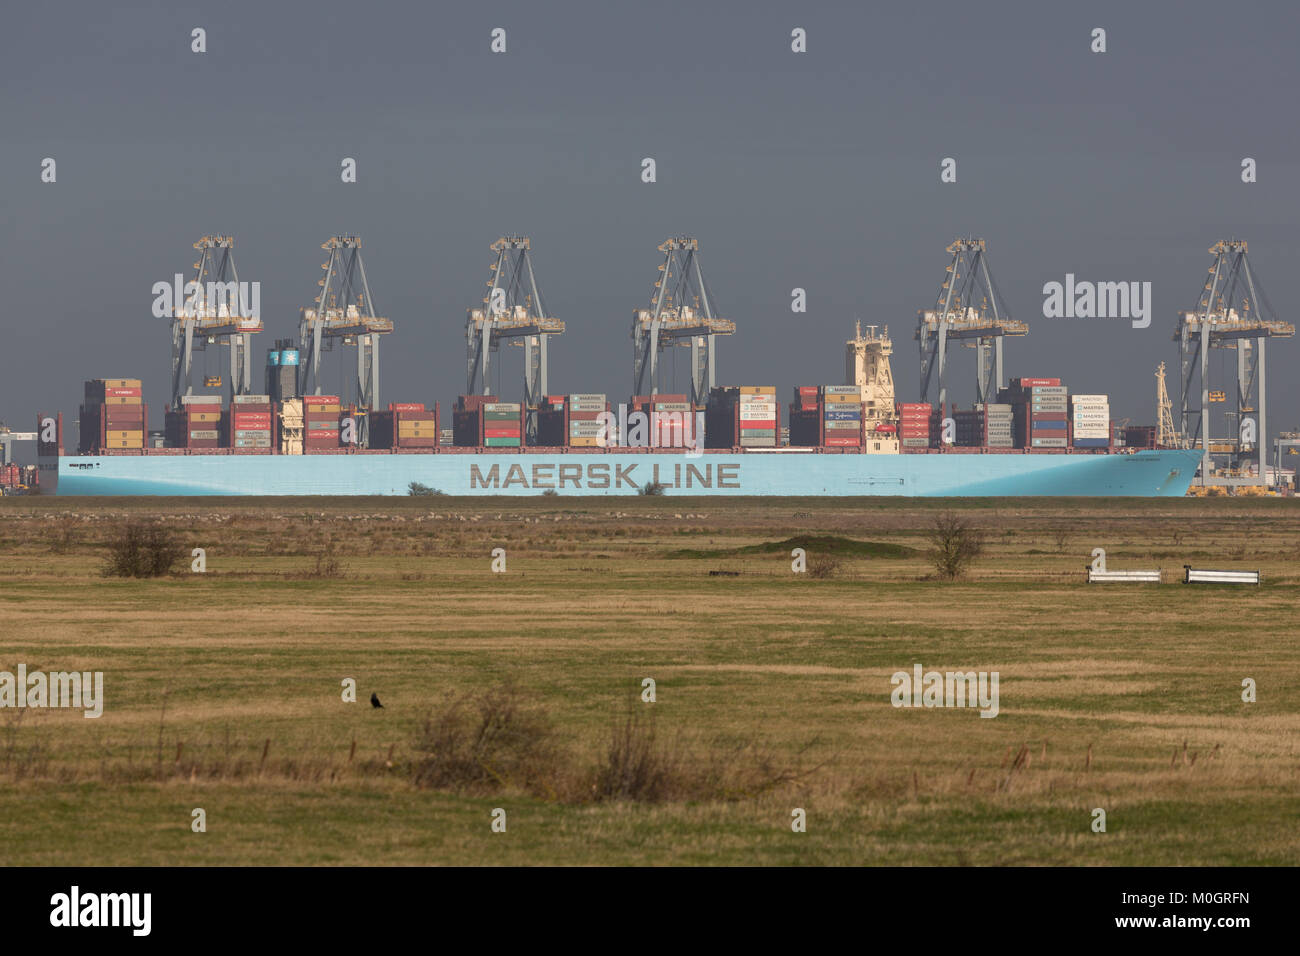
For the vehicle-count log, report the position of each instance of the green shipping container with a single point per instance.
(501, 416)
(501, 442)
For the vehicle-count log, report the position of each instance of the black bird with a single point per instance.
(374, 700)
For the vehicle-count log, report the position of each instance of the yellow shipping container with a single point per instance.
(842, 399)
(320, 409)
(584, 442)
(123, 400)
(758, 390)
(128, 435)
(122, 383)
(205, 417)
(126, 443)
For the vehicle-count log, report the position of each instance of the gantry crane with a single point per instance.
(213, 315)
(682, 313)
(1232, 311)
(971, 310)
(338, 318)
(512, 310)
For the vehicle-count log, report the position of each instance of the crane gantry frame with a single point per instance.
(956, 317)
(513, 310)
(1232, 311)
(337, 318)
(672, 321)
(212, 315)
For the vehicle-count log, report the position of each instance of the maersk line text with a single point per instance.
(601, 476)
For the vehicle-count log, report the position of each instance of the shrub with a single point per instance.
(485, 743)
(823, 566)
(954, 545)
(635, 766)
(651, 488)
(419, 490)
(141, 549)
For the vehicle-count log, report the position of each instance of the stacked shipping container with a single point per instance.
(1090, 421)
(196, 424)
(914, 424)
(668, 418)
(742, 417)
(842, 416)
(320, 426)
(985, 426)
(583, 416)
(482, 421)
(248, 424)
(1041, 408)
(114, 414)
(805, 417)
(404, 425)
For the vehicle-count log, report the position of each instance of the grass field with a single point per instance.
(223, 690)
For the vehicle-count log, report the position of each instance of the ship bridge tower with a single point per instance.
(869, 368)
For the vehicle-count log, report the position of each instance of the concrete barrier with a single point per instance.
(1192, 576)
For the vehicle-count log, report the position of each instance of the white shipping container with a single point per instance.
(502, 407)
(252, 399)
(763, 415)
(586, 406)
(200, 399)
(587, 397)
(841, 390)
(1100, 399)
(843, 426)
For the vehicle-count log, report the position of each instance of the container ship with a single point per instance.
(847, 440)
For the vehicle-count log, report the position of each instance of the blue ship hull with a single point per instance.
(1145, 474)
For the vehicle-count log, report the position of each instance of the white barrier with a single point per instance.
(1219, 577)
(1149, 577)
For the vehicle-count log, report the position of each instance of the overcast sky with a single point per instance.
(818, 170)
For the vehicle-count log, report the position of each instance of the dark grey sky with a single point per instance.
(818, 170)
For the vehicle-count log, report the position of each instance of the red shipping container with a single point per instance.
(1036, 382)
(506, 431)
(243, 422)
(310, 434)
(843, 442)
(406, 406)
(122, 392)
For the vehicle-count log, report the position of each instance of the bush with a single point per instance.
(418, 490)
(486, 743)
(142, 550)
(651, 488)
(823, 566)
(327, 563)
(954, 545)
(635, 767)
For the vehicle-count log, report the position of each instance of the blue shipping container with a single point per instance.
(289, 357)
(272, 358)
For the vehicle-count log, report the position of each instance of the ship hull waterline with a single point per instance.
(1145, 474)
